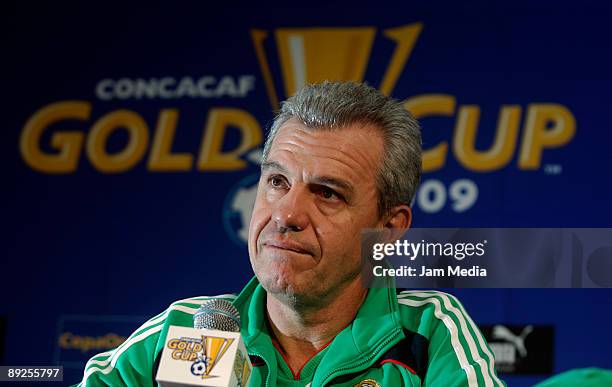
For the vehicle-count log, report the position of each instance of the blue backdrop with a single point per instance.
(131, 139)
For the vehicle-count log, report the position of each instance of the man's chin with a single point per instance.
(277, 284)
(286, 290)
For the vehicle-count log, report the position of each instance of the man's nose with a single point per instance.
(291, 211)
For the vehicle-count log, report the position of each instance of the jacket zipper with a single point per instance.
(267, 382)
(364, 361)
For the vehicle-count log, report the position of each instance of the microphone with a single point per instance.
(212, 353)
(217, 314)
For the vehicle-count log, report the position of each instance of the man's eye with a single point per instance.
(329, 194)
(276, 181)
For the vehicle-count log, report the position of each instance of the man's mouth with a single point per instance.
(287, 245)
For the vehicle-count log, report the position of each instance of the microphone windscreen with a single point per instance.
(217, 314)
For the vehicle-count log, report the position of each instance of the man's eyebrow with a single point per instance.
(267, 165)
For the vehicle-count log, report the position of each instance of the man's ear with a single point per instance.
(398, 221)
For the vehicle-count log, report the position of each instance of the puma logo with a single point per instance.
(503, 333)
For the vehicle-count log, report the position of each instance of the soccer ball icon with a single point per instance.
(198, 367)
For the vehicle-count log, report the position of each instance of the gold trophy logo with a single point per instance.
(213, 349)
(311, 55)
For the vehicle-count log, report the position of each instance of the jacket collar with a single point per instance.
(376, 327)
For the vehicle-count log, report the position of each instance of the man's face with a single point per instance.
(316, 193)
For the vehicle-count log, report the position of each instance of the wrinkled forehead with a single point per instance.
(343, 133)
(354, 150)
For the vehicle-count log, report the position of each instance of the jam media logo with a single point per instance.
(204, 353)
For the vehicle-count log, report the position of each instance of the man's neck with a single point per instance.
(304, 331)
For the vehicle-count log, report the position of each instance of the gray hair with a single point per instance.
(330, 105)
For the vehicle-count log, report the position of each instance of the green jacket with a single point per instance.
(412, 338)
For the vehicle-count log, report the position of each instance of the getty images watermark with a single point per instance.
(490, 258)
(412, 251)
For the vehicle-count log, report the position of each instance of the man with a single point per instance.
(340, 158)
